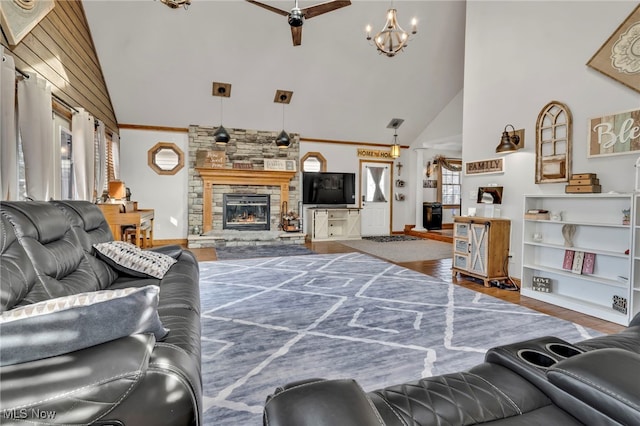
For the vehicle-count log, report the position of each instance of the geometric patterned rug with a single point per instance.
(270, 321)
(273, 250)
(390, 238)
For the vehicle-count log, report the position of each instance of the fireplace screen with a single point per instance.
(246, 212)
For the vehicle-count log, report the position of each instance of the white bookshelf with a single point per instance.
(599, 229)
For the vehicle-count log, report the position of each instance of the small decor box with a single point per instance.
(542, 284)
(585, 183)
(535, 214)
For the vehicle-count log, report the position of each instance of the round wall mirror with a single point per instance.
(165, 158)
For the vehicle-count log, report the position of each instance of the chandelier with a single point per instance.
(392, 38)
(174, 4)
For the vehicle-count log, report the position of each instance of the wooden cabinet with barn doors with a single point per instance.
(481, 248)
(334, 224)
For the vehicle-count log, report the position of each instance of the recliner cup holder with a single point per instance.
(536, 358)
(565, 351)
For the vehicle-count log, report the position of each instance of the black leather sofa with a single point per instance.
(135, 380)
(544, 381)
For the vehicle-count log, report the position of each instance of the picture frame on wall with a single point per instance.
(18, 18)
(617, 57)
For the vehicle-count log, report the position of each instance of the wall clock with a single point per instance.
(18, 17)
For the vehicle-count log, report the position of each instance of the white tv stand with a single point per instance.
(329, 223)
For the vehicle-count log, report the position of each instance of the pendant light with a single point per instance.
(223, 90)
(283, 97)
(395, 146)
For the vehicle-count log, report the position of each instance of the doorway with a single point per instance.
(375, 197)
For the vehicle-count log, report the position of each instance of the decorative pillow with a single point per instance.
(130, 259)
(66, 324)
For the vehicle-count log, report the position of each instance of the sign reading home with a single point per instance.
(375, 153)
(615, 134)
(495, 165)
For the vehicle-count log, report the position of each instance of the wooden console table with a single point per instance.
(120, 215)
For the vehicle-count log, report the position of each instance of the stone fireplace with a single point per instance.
(246, 212)
(241, 173)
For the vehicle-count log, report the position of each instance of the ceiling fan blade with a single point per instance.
(319, 9)
(296, 34)
(271, 8)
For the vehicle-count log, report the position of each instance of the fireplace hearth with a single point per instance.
(246, 212)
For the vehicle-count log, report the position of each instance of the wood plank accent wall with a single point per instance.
(60, 48)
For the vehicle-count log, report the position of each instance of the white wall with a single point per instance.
(167, 195)
(520, 56)
(344, 158)
(443, 136)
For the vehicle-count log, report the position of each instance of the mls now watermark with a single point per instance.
(28, 413)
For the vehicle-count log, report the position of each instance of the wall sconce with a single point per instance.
(510, 142)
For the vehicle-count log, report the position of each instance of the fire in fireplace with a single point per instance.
(246, 212)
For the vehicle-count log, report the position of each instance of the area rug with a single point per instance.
(390, 238)
(270, 321)
(275, 250)
(403, 251)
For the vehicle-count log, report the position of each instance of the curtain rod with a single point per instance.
(56, 97)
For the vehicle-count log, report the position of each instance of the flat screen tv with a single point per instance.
(328, 188)
(490, 195)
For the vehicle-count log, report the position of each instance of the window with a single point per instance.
(449, 177)
(67, 189)
(313, 162)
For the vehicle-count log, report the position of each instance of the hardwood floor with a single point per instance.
(442, 269)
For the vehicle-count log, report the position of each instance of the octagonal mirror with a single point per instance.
(165, 158)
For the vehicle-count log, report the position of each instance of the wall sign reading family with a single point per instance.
(615, 134)
(494, 165)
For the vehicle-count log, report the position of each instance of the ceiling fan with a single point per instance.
(296, 16)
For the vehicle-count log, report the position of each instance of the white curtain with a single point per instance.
(8, 136)
(115, 153)
(36, 134)
(101, 158)
(82, 125)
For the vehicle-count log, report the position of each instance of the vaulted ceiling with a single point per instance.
(159, 65)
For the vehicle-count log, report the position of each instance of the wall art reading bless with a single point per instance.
(615, 134)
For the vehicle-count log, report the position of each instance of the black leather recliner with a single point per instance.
(544, 381)
(46, 251)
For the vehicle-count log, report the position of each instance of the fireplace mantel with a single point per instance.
(212, 177)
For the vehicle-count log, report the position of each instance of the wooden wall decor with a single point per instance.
(614, 134)
(618, 56)
(493, 165)
(18, 17)
(553, 143)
